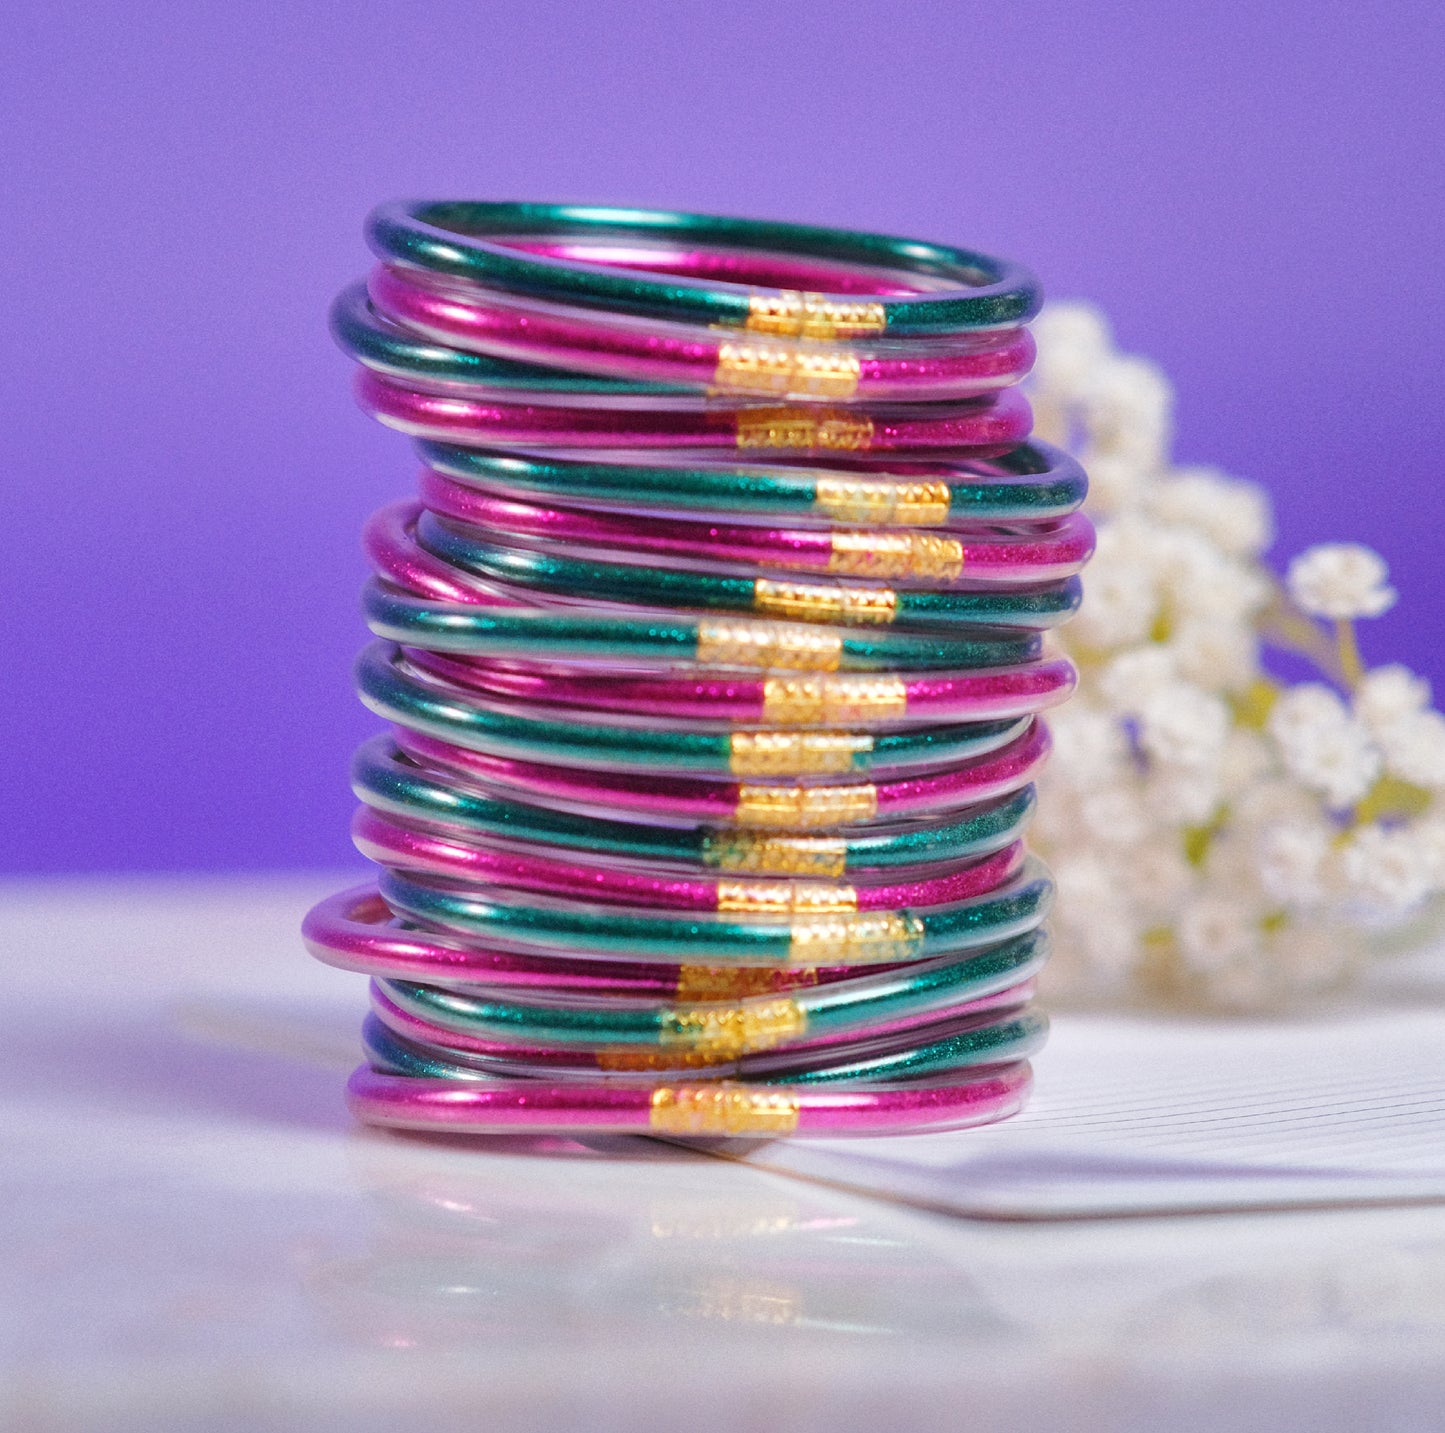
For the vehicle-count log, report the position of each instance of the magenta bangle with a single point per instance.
(998, 554)
(809, 699)
(957, 365)
(700, 1109)
(990, 426)
(393, 843)
(676, 800)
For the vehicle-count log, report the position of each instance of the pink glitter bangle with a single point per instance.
(393, 843)
(990, 426)
(701, 1109)
(765, 805)
(963, 364)
(805, 699)
(356, 930)
(1018, 553)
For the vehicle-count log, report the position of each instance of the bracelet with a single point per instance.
(878, 1003)
(798, 806)
(991, 425)
(701, 1109)
(486, 620)
(1031, 482)
(787, 699)
(391, 684)
(384, 779)
(626, 932)
(963, 364)
(432, 852)
(907, 1051)
(830, 601)
(1021, 555)
(469, 240)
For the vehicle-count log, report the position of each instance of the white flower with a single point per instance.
(1119, 601)
(1216, 654)
(1089, 747)
(1073, 340)
(1215, 931)
(1158, 880)
(1136, 675)
(1184, 726)
(1430, 836)
(1202, 582)
(1388, 693)
(1246, 763)
(1389, 867)
(1233, 514)
(1116, 481)
(1323, 745)
(1291, 862)
(1341, 580)
(1182, 796)
(1092, 918)
(1414, 749)
(1127, 409)
(1306, 957)
(1114, 816)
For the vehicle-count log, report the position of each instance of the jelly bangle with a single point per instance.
(830, 600)
(812, 699)
(624, 932)
(686, 1110)
(772, 805)
(383, 779)
(958, 287)
(356, 930)
(394, 688)
(1031, 482)
(933, 990)
(1027, 554)
(663, 352)
(407, 847)
(990, 424)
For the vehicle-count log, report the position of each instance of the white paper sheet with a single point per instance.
(1134, 1116)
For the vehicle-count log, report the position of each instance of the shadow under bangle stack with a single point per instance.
(714, 649)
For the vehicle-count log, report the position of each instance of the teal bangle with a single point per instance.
(386, 347)
(398, 692)
(809, 1011)
(999, 1040)
(651, 585)
(385, 780)
(1036, 482)
(581, 929)
(959, 287)
(572, 635)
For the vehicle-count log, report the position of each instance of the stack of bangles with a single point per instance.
(714, 651)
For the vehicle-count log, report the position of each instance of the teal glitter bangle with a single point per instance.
(386, 347)
(651, 585)
(395, 690)
(467, 240)
(579, 928)
(384, 779)
(734, 1028)
(1036, 482)
(588, 636)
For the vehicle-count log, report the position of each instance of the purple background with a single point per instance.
(1252, 191)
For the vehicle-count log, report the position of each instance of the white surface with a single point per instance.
(1174, 1115)
(197, 1236)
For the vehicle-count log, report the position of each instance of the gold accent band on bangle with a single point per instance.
(795, 313)
(721, 1109)
(830, 428)
(861, 938)
(728, 1031)
(785, 370)
(784, 898)
(796, 753)
(728, 850)
(698, 983)
(819, 602)
(794, 646)
(818, 701)
(889, 504)
(799, 807)
(895, 554)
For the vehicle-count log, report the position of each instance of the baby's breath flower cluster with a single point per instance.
(1218, 836)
